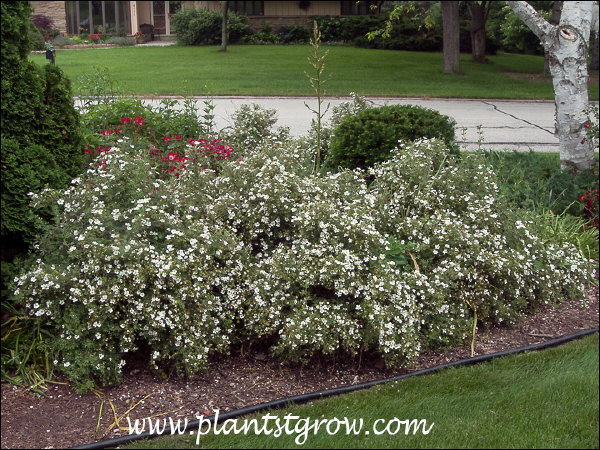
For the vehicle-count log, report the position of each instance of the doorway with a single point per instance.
(161, 16)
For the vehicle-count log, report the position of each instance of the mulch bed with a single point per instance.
(65, 418)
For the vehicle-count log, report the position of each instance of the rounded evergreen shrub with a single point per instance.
(369, 136)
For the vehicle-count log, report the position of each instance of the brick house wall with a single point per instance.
(55, 10)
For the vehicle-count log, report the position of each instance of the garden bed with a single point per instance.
(75, 47)
(66, 418)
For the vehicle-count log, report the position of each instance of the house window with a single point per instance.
(110, 17)
(247, 8)
(354, 8)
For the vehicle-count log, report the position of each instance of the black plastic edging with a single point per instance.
(304, 398)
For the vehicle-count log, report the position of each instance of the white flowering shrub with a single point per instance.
(252, 126)
(476, 253)
(188, 251)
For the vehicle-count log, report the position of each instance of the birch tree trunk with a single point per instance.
(567, 47)
(554, 20)
(594, 31)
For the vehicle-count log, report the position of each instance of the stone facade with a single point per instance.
(55, 10)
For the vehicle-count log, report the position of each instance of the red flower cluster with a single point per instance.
(220, 150)
(174, 158)
(591, 204)
(174, 163)
(94, 37)
(97, 150)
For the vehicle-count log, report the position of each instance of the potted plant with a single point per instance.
(139, 37)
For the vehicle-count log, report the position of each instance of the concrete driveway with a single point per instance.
(498, 125)
(493, 124)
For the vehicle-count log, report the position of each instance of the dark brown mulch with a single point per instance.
(66, 418)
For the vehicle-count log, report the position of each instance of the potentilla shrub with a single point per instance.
(478, 255)
(133, 262)
(187, 263)
(252, 126)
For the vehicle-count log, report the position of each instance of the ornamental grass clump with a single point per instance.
(227, 252)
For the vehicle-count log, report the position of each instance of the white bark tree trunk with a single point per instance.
(567, 47)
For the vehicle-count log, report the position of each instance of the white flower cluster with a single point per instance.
(189, 266)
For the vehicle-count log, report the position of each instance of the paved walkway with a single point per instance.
(496, 124)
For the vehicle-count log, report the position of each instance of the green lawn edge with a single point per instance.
(544, 399)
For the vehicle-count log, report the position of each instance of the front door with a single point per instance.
(161, 16)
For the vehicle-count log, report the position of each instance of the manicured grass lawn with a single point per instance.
(546, 399)
(279, 70)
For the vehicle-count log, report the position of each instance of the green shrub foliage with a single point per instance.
(203, 27)
(40, 140)
(187, 250)
(369, 136)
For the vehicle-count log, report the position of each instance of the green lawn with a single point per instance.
(279, 70)
(546, 399)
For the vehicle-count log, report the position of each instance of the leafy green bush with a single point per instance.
(534, 181)
(295, 34)
(338, 114)
(203, 27)
(187, 250)
(369, 136)
(104, 103)
(35, 37)
(407, 34)
(262, 38)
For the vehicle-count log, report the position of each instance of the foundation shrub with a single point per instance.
(63, 40)
(294, 34)
(45, 25)
(366, 138)
(259, 249)
(203, 27)
(119, 40)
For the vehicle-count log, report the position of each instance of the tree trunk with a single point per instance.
(451, 36)
(478, 18)
(224, 27)
(594, 61)
(554, 20)
(566, 45)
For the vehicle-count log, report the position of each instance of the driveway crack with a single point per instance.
(518, 118)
